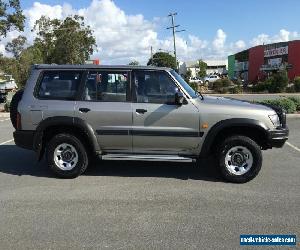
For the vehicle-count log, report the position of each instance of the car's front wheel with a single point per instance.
(240, 159)
(66, 156)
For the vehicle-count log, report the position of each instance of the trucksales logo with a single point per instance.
(277, 52)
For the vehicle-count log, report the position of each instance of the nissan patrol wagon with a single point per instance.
(72, 113)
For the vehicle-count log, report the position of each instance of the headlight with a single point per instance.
(275, 120)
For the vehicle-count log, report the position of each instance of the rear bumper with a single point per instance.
(277, 138)
(24, 138)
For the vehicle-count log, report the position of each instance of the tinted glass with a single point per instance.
(154, 87)
(106, 86)
(59, 84)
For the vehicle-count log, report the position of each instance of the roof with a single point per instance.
(214, 63)
(94, 66)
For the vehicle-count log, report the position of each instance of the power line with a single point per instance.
(174, 31)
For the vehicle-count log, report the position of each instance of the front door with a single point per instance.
(106, 106)
(159, 125)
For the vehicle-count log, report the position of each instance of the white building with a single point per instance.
(213, 67)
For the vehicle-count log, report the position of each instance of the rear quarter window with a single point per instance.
(59, 85)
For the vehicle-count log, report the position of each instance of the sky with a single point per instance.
(126, 29)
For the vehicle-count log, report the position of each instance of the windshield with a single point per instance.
(183, 83)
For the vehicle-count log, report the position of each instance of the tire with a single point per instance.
(71, 146)
(13, 109)
(239, 159)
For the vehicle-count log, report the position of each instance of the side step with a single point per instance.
(173, 158)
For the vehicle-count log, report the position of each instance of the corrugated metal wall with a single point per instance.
(294, 59)
(256, 59)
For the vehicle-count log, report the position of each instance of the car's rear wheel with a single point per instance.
(240, 159)
(66, 156)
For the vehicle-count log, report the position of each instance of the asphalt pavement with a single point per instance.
(138, 205)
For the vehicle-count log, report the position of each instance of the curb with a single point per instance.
(256, 94)
(293, 115)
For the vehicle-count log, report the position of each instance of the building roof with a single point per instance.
(194, 64)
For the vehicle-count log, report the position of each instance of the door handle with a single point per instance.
(84, 110)
(141, 111)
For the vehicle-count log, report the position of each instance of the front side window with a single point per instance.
(184, 84)
(107, 86)
(61, 85)
(154, 87)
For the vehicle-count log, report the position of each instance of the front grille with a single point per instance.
(283, 118)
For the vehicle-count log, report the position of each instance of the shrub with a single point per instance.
(262, 86)
(236, 90)
(226, 82)
(275, 84)
(296, 100)
(297, 84)
(194, 86)
(290, 89)
(285, 103)
(221, 85)
(217, 85)
(279, 82)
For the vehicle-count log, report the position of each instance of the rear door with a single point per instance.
(159, 125)
(55, 94)
(106, 106)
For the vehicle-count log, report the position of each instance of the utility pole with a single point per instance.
(174, 31)
(151, 55)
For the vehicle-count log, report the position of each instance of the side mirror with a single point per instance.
(179, 99)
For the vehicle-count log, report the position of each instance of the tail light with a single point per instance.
(19, 125)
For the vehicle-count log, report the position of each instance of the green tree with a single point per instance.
(188, 75)
(67, 41)
(16, 46)
(20, 68)
(162, 59)
(202, 68)
(11, 16)
(30, 56)
(134, 63)
(9, 65)
(279, 82)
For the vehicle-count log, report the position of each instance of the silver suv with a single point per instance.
(71, 113)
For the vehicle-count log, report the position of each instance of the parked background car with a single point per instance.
(196, 80)
(211, 78)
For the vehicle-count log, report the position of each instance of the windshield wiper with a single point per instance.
(199, 94)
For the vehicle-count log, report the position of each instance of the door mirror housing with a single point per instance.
(180, 99)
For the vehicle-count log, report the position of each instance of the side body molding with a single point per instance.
(229, 123)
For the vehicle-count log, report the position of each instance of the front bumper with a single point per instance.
(277, 138)
(24, 138)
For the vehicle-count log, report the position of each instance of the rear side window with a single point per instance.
(107, 86)
(61, 85)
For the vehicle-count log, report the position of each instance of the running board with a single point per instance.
(173, 158)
